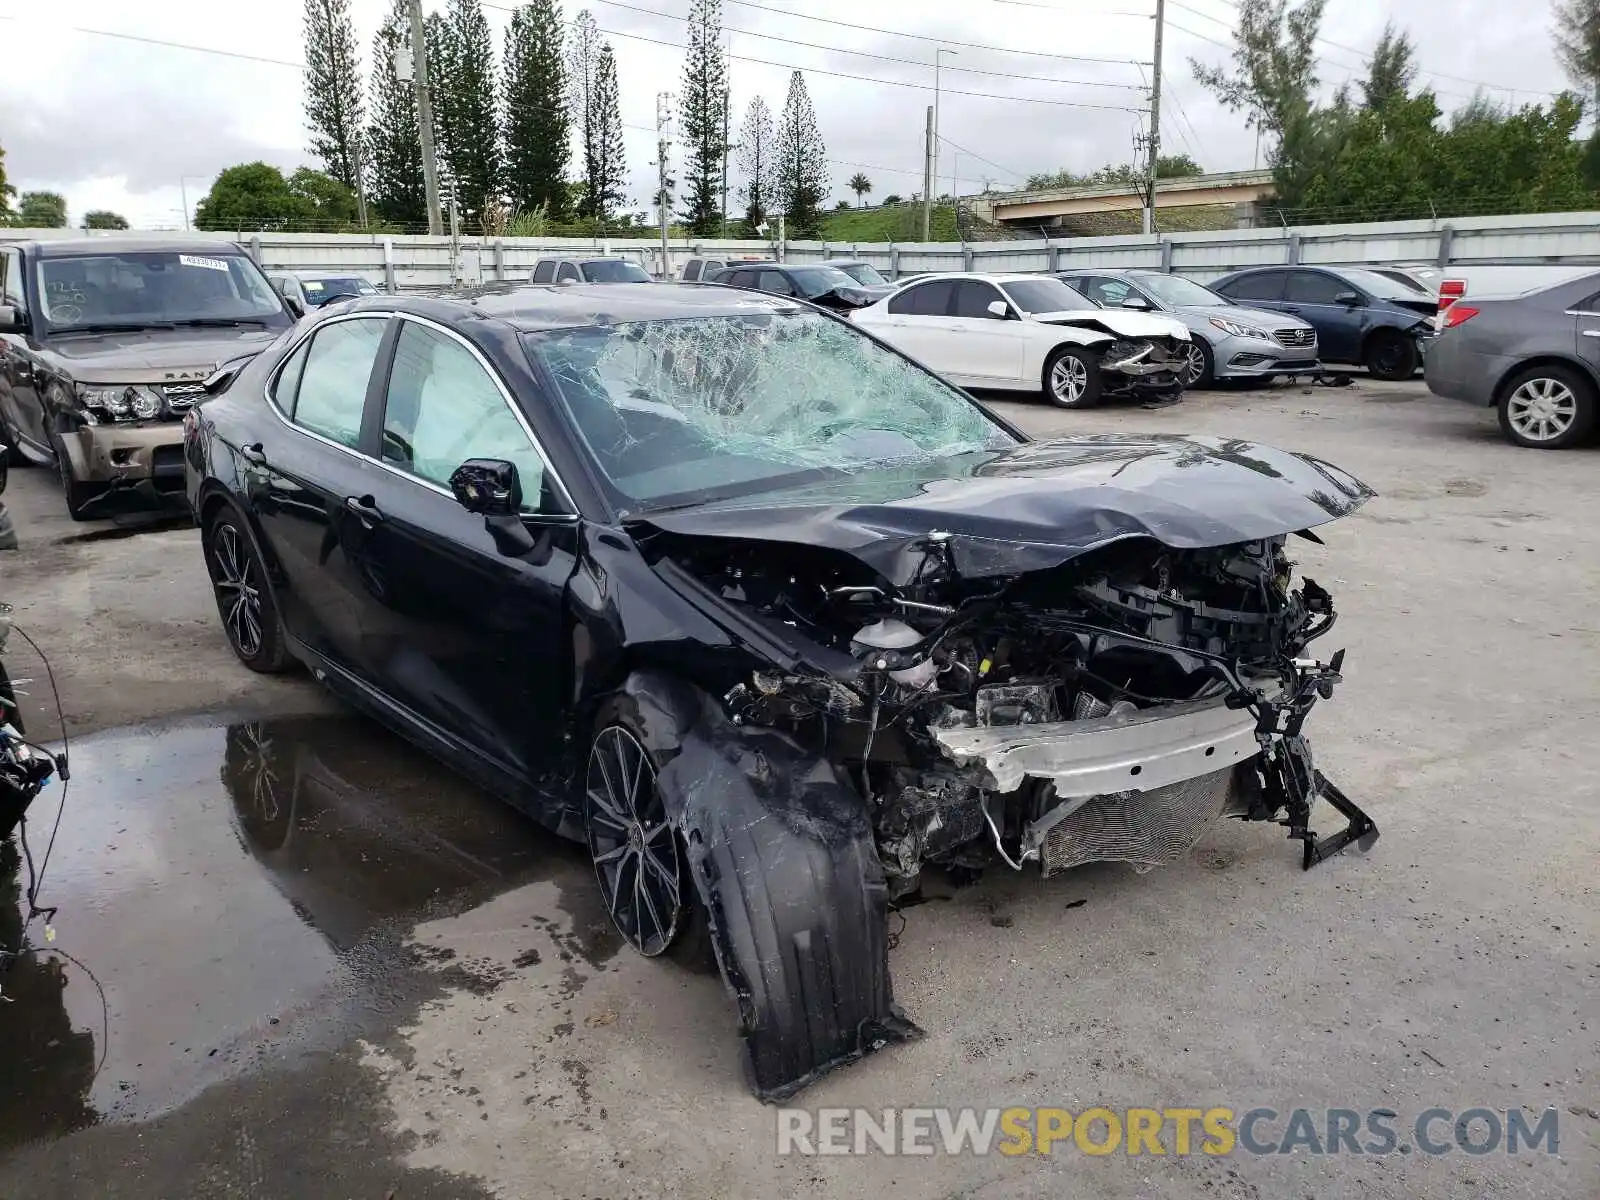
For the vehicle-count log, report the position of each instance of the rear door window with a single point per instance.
(1313, 287)
(568, 273)
(776, 282)
(332, 389)
(924, 299)
(973, 297)
(1259, 285)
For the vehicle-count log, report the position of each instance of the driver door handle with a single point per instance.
(365, 509)
(254, 453)
(1591, 333)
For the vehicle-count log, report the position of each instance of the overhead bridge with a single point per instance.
(1231, 199)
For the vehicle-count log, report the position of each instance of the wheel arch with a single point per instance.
(1571, 363)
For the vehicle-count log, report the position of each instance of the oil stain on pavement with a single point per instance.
(246, 894)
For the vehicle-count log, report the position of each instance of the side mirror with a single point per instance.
(487, 486)
(1350, 299)
(998, 308)
(12, 319)
(294, 306)
(1138, 303)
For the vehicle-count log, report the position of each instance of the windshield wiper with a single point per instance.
(113, 327)
(220, 322)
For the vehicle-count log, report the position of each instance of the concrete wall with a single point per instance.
(1569, 240)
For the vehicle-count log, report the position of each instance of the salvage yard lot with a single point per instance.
(484, 1035)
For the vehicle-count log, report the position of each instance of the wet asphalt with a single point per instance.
(245, 893)
(333, 969)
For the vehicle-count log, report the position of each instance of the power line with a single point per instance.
(922, 87)
(1183, 116)
(985, 161)
(772, 37)
(922, 37)
(149, 41)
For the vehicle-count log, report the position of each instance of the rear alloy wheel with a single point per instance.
(1072, 378)
(634, 847)
(1548, 408)
(244, 596)
(1197, 366)
(1391, 357)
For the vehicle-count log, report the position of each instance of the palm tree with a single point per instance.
(860, 185)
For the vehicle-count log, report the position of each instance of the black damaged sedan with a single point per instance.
(768, 616)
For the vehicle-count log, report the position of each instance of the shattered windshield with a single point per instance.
(684, 410)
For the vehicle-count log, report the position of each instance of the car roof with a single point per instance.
(78, 247)
(529, 307)
(350, 274)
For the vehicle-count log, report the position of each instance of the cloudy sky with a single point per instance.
(127, 124)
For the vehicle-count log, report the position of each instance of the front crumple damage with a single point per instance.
(1091, 692)
(781, 851)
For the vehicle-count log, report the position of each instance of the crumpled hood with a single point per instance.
(1126, 322)
(156, 356)
(1038, 505)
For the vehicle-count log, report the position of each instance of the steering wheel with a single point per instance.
(66, 314)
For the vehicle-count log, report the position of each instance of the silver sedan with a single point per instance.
(1227, 341)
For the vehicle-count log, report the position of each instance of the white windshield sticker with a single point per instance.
(312, 285)
(210, 264)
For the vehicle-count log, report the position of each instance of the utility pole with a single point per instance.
(361, 181)
(933, 175)
(927, 178)
(1155, 122)
(663, 142)
(419, 71)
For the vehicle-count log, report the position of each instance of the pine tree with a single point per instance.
(441, 46)
(470, 117)
(6, 190)
(611, 167)
(333, 88)
(756, 160)
(703, 110)
(394, 154)
(802, 165)
(583, 65)
(538, 125)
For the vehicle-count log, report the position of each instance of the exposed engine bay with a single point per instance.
(1109, 708)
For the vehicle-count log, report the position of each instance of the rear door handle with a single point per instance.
(365, 509)
(254, 453)
(1591, 333)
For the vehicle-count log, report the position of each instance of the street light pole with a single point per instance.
(183, 187)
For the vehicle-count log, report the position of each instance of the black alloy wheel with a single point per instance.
(634, 846)
(244, 596)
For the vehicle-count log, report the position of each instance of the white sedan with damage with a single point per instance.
(1030, 333)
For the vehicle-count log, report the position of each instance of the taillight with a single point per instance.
(1458, 314)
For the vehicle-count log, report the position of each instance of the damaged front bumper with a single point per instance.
(142, 456)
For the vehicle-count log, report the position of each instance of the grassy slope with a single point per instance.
(902, 223)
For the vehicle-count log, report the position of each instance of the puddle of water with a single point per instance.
(243, 893)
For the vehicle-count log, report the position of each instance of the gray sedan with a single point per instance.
(1535, 357)
(1227, 341)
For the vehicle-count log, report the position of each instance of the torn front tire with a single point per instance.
(781, 851)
